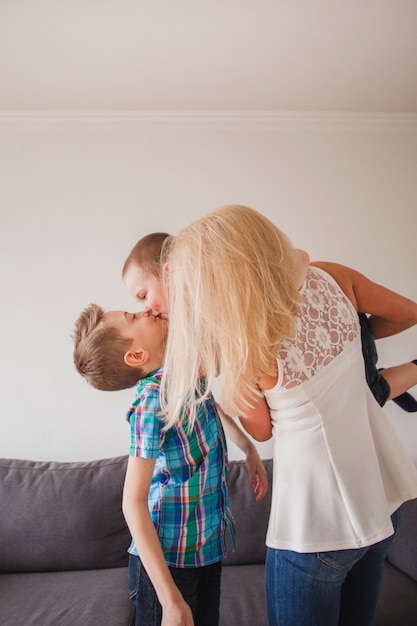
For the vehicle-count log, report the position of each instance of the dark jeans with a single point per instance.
(200, 587)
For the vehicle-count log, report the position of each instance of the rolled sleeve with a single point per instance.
(146, 425)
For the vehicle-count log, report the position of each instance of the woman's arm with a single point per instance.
(257, 420)
(175, 611)
(257, 474)
(390, 313)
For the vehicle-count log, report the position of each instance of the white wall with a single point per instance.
(77, 191)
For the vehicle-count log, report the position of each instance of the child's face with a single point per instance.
(146, 289)
(145, 331)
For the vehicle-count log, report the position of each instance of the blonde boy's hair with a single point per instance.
(99, 352)
(232, 301)
(146, 254)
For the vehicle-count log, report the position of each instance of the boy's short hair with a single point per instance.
(146, 254)
(99, 352)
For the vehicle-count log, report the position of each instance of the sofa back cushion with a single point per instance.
(62, 516)
(403, 551)
(251, 517)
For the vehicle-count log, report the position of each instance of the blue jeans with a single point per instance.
(200, 588)
(325, 588)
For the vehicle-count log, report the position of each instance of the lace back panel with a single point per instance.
(326, 322)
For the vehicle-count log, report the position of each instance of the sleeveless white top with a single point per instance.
(340, 470)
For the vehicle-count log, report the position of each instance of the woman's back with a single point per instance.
(336, 455)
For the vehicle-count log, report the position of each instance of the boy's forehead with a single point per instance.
(136, 274)
(115, 318)
(122, 320)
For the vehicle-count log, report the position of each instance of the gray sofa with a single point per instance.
(63, 542)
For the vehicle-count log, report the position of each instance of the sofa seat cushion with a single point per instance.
(66, 598)
(242, 600)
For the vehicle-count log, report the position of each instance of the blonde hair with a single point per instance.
(232, 300)
(99, 351)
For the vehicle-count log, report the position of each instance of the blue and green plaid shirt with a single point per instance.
(188, 499)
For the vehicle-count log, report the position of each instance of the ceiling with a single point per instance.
(209, 55)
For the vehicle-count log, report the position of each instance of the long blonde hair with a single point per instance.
(232, 300)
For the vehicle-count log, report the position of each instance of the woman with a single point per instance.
(243, 303)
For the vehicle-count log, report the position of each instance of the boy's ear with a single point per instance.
(136, 359)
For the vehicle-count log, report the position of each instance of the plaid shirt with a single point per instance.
(188, 499)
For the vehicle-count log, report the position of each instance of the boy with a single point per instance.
(175, 494)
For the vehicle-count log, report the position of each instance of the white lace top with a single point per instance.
(340, 470)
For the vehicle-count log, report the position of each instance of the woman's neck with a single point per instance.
(302, 263)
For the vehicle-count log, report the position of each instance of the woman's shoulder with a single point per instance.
(341, 274)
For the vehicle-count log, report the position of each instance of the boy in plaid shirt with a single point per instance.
(175, 496)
